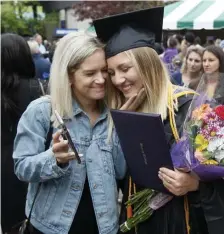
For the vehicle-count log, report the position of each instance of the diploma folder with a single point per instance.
(143, 141)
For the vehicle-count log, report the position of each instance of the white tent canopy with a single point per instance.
(194, 14)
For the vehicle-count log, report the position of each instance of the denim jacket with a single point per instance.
(61, 188)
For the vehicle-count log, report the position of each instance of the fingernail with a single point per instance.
(71, 154)
(66, 141)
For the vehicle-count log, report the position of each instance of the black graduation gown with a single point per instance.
(206, 206)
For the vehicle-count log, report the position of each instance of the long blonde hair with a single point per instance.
(155, 80)
(70, 52)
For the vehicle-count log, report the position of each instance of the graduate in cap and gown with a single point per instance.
(139, 82)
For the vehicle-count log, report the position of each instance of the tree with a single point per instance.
(94, 10)
(10, 20)
(15, 21)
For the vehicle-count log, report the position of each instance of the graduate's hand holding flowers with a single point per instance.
(178, 182)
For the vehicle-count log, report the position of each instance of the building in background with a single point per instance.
(67, 20)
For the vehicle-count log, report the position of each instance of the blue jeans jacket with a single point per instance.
(61, 188)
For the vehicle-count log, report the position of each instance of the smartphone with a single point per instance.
(66, 136)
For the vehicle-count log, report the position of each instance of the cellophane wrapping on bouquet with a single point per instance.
(201, 147)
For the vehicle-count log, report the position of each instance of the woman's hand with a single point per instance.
(60, 149)
(135, 101)
(178, 182)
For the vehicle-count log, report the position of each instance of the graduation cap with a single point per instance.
(130, 30)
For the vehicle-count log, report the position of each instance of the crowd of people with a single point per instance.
(184, 58)
(88, 76)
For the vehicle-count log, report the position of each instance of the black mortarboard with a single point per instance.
(130, 30)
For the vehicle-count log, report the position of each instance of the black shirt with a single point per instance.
(85, 219)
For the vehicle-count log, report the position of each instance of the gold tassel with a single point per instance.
(171, 98)
(187, 215)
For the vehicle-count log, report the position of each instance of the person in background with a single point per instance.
(213, 60)
(222, 45)
(47, 45)
(42, 65)
(164, 44)
(38, 38)
(213, 64)
(18, 89)
(197, 41)
(192, 69)
(170, 53)
(179, 38)
(73, 198)
(187, 41)
(217, 41)
(210, 41)
(177, 63)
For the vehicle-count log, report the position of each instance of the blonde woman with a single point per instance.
(133, 65)
(192, 68)
(73, 198)
(141, 67)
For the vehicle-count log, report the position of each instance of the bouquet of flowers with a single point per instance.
(200, 149)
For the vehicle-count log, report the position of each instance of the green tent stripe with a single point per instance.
(169, 8)
(219, 22)
(187, 21)
(91, 29)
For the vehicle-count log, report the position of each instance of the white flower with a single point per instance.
(219, 155)
(221, 131)
(216, 144)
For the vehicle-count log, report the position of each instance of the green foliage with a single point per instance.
(99, 9)
(52, 17)
(10, 21)
(192, 130)
(13, 19)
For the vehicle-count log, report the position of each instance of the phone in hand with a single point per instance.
(66, 136)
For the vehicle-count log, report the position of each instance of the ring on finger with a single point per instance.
(167, 181)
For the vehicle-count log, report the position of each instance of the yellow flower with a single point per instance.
(201, 142)
(210, 162)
